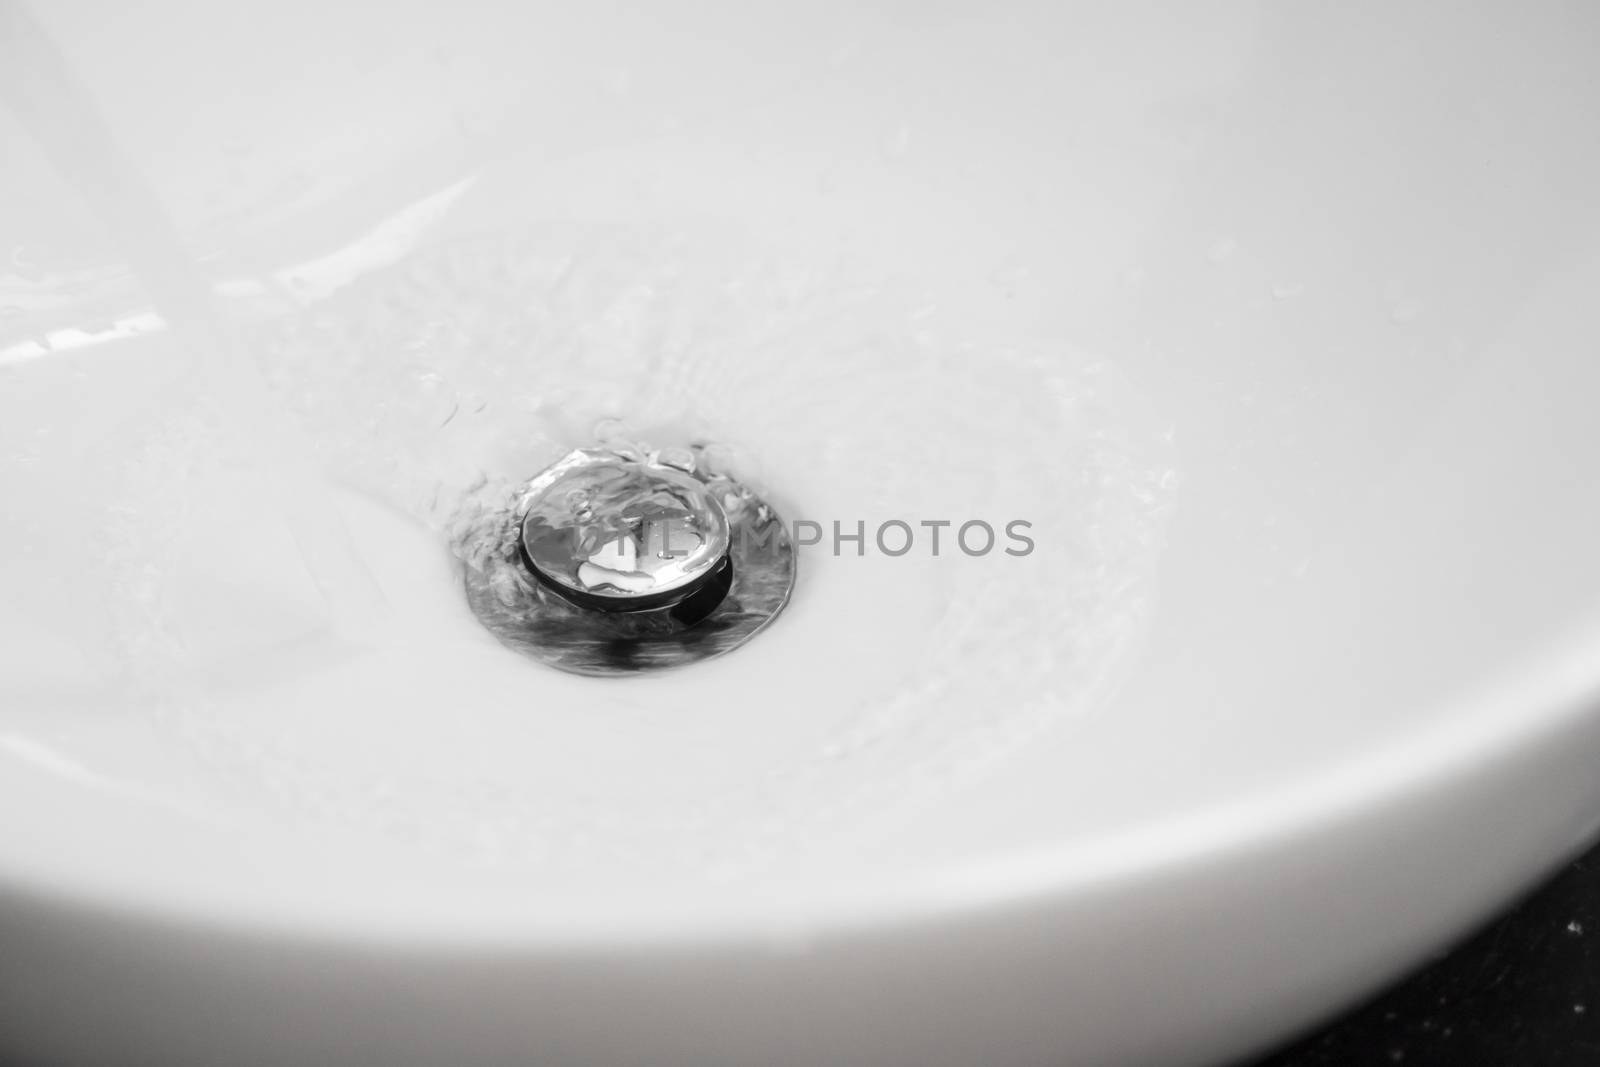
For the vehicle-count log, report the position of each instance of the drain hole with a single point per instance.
(616, 561)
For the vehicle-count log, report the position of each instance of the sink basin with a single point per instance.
(1270, 327)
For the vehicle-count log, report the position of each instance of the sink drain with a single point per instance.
(616, 561)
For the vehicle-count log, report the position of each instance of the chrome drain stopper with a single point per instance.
(613, 534)
(615, 561)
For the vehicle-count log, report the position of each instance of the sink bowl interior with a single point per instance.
(1271, 326)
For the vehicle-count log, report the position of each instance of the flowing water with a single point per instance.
(53, 107)
(204, 522)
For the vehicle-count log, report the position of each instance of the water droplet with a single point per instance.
(1222, 249)
(1575, 927)
(719, 459)
(679, 458)
(613, 433)
(1286, 290)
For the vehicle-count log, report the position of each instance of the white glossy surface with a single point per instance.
(1275, 323)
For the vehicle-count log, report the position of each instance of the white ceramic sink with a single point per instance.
(1275, 323)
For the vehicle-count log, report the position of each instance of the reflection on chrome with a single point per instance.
(619, 534)
(623, 558)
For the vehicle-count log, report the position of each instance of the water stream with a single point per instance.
(412, 397)
(38, 85)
